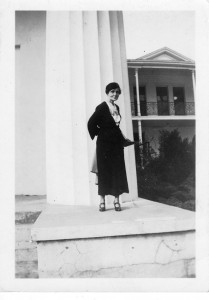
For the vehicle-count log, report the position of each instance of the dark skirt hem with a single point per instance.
(112, 193)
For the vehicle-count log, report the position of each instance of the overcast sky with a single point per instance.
(147, 31)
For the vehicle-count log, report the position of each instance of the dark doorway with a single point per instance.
(178, 97)
(143, 100)
(162, 101)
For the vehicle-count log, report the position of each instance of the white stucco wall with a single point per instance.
(30, 103)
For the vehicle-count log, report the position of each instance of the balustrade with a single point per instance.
(163, 108)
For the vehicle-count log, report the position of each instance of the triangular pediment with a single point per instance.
(165, 54)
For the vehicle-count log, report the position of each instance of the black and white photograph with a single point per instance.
(110, 153)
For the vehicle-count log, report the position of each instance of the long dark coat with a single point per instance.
(112, 179)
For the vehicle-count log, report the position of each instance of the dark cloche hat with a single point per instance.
(112, 86)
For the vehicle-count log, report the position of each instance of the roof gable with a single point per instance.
(165, 54)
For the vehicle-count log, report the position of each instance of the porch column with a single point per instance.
(193, 84)
(120, 75)
(105, 50)
(140, 140)
(84, 52)
(137, 93)
(93, 89)
(140, 131)
(59, 134)
(138, 104)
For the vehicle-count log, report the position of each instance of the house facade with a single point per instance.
(162, 95)
(63, 62)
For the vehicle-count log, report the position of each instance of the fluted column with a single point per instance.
(59, 135)
(129, 153)
(105, 49)
(93, 88)
(85, 51)
(78, 100)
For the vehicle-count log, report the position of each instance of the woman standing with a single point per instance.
(104, 123)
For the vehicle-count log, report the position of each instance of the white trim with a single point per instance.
(153, 117)
(191, 68)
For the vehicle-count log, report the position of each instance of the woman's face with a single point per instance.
(113, 95)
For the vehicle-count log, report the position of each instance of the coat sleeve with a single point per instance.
(93, 123)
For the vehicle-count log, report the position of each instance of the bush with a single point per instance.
(170, 176)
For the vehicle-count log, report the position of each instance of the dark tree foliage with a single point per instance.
(175, 161)
(170, 175)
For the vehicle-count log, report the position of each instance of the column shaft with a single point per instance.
(105, 50)
(79, 106)
(140, 131)
(130, 156)
(140, 140)
(92, 86)
(137, 93)
(121, 76)
(193, 84)
(59, 138)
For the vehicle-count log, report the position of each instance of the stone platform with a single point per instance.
(27, 209)
(145, 239)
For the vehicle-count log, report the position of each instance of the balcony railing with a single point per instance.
(163, 108)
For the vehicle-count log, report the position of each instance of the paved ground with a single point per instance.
(27, 210)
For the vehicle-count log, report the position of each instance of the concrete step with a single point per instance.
(26, 255)
(23, 232)
(23, 237)
(26, 269)
(27, 210)
(26, 260)
(21, 245)
(26, 217)
(29, 203)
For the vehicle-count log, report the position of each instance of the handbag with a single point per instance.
(127, 142)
